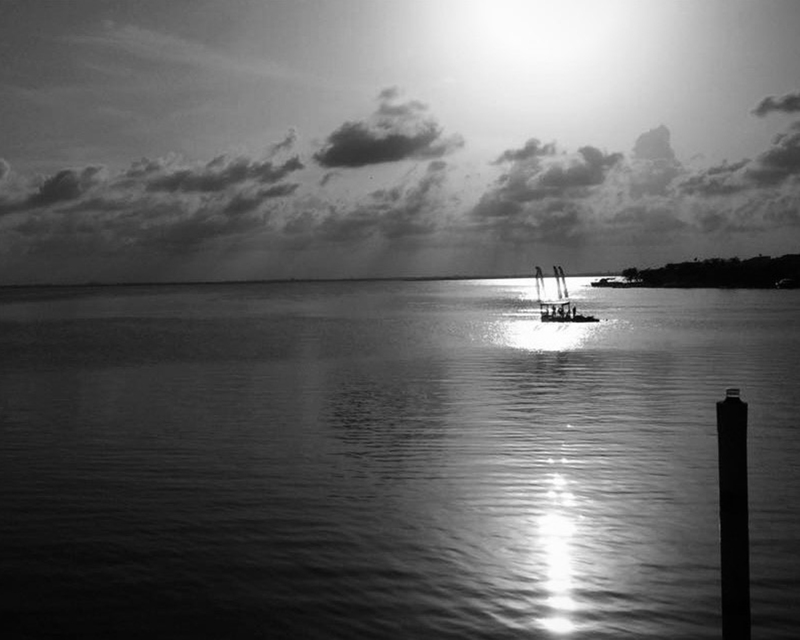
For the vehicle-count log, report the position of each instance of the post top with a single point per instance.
(732, 397)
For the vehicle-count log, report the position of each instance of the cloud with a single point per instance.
(585, 202)
(243, 203)
(531, 149)
(772, 167)
(329, 175)
(654, 145)
(586, 169)
(413, 212)
(5, 169)
(173, 207)
(68, 184)
(163, 204)
(592, 198)
(779, 162)
(286, 144)
(545, 196)
(653, 166)
(193, 228)
(541, 197)
(724, 179)
(403, 211)
(537, 173)
(788, 103)
(63, 187)
(217, 175)
(396, 131)
(556, 221)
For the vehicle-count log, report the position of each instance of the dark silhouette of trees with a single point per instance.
(631, 274)
(759, 273)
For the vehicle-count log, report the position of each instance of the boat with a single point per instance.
(614, 283)
(560, 309)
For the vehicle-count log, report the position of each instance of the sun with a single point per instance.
(551, 34)
(509, 43)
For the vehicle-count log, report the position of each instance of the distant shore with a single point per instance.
(762, 272)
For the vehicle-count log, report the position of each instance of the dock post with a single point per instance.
(733, 516)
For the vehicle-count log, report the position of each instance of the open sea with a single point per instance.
(397, 460)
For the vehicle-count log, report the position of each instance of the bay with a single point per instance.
(388, 459)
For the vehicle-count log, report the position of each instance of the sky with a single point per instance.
(144, 140)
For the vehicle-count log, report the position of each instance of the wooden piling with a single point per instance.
(733, 516)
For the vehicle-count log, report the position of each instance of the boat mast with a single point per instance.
(564, 281)
(558, 282)
(539, 284)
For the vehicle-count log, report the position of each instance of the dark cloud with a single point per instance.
(243, 203)
(588, 169)
(724, 179)
(531, 149)
(771, 168)
(779, 162)
(217, 175)
(156, 204)
(396, 131)
(591, 196)
(567, 175)
(65, 186)
(543, 195)
(356, 144)
(69, 184)
(789, 103)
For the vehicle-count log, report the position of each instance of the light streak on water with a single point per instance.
(556, 530)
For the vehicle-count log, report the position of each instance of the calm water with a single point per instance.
(388, 460)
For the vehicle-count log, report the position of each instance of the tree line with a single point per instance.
(759, 272)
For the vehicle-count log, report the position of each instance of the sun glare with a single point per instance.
(556, 32)
(514, 44)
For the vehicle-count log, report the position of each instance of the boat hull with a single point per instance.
(571, 319)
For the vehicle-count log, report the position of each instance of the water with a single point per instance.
(388, 460)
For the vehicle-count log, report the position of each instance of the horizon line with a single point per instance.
(583, 274)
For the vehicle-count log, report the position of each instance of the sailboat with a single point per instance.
(560, 309)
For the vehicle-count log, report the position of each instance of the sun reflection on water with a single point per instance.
(531, 334)
(556, 529)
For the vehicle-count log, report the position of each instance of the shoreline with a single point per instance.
(761, 272)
